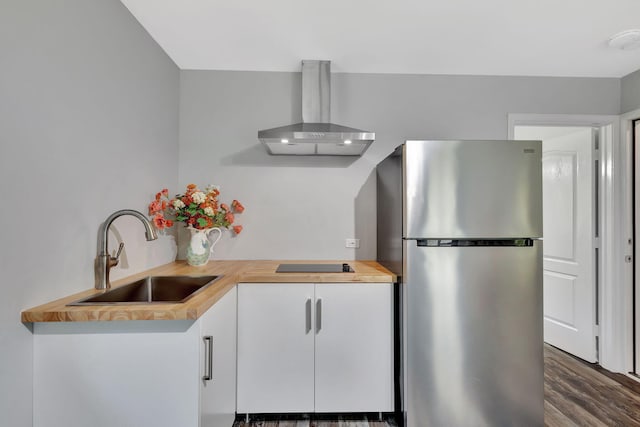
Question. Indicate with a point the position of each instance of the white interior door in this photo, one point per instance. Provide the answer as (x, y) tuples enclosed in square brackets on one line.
[(569, 237)]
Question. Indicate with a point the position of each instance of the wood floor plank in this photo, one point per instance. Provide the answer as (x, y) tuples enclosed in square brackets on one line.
[(585, 396), (575, 398), (581, 369), (554, 418)]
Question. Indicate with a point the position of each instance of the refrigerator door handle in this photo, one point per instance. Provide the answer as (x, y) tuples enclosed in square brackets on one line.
[(482, 243)]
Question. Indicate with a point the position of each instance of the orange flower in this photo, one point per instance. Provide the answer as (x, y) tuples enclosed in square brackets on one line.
[(164, 204), (229, 217), (169, 223), (224, 206), (159, 221), (155, 207), (237, 229), (192, 186), (237, 206)]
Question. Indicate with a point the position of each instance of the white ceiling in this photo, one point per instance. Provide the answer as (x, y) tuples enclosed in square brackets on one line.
[(481, 37)]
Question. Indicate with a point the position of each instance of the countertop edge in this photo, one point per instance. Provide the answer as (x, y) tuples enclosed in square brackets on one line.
[(233, 272)]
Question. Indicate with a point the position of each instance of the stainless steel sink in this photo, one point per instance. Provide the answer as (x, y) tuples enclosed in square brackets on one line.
[(152, 289)]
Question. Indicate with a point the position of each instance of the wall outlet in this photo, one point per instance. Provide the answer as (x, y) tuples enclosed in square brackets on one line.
[(352, 243)]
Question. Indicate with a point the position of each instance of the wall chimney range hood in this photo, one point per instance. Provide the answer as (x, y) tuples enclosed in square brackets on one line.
[(315, 135)]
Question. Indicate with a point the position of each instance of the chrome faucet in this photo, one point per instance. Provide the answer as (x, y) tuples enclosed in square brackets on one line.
[(104, 261)]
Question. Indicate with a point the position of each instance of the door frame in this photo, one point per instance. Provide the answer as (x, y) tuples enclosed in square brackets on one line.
[(615, 351), (626, 143)]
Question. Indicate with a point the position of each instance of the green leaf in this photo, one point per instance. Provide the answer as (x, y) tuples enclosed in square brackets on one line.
[(202, 222)]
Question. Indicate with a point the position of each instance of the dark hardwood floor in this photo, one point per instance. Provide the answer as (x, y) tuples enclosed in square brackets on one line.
[(576, 393)]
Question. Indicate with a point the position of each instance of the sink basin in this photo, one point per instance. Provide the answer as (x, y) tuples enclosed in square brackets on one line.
[(152, 289)]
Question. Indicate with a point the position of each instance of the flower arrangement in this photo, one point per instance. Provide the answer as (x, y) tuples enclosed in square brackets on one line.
[(196, 208)]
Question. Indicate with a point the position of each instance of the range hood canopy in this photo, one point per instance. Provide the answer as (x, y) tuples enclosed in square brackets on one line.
[(315, 135)]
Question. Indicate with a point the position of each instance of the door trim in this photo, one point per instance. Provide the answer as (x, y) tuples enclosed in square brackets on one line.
[(626, 141), (614, 303)]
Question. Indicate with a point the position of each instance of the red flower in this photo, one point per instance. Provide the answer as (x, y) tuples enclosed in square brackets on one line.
[(237, 229), (229, 217), (169, 223), (165, 192), (237, 206), (224, 206)]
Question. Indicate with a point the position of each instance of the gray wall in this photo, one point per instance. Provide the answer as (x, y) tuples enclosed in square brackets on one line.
[(304, 208), (88, 125), (630, 92)]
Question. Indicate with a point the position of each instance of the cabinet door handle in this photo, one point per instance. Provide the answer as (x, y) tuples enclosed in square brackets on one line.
[(208, 358), (308, 316), (318, 315)]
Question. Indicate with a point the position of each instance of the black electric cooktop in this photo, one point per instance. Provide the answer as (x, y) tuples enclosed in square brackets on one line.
[(314, 268)]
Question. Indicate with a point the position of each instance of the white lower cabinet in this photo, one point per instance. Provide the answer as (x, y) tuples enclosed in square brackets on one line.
[(218, 331), (136, 373), (275, 348), (305, 347)]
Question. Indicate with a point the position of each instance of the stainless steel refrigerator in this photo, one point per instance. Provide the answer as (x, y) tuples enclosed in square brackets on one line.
[(461, 223)]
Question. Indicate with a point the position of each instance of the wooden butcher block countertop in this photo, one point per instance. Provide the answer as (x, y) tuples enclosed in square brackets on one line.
[(233, 272)]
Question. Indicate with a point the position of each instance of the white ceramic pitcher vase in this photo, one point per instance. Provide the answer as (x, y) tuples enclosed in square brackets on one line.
[(201, 245)]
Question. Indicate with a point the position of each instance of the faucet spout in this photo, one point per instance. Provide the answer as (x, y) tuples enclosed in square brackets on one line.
[(104, 261)]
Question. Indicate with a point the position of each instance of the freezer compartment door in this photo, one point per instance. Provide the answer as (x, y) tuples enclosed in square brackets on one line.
[(472, 189), (473, 337)]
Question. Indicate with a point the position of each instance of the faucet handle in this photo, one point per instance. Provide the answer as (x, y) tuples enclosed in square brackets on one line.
[(120, 248)]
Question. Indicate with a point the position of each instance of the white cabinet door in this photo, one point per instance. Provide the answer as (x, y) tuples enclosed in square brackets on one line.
[(275, 347), (125, 374), (218, 363), (354, 347)]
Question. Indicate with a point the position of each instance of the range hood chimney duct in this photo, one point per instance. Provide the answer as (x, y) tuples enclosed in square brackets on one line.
[(316, 135)]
